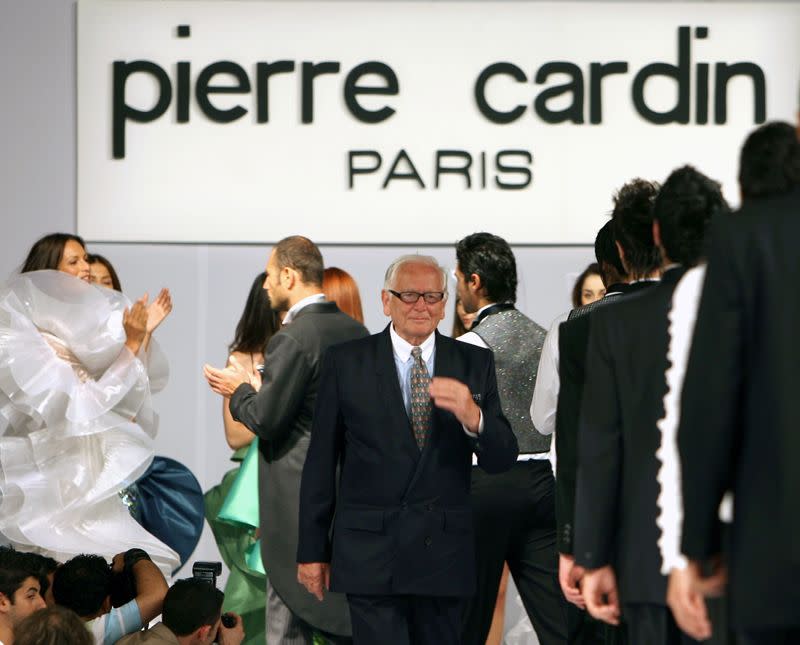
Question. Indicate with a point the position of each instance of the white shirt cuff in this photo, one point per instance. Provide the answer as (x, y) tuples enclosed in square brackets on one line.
[(480, 427)]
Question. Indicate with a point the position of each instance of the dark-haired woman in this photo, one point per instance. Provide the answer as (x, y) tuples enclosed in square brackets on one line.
[(63, 252), (588, 287), (462, 321), (232, 505), (76, 425), (102, 273)]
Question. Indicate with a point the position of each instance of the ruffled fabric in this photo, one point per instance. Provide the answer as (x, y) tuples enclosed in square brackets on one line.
[(76, 423), (155, 361), (232, 512), (682, 317), (168, 502), (241, 506)]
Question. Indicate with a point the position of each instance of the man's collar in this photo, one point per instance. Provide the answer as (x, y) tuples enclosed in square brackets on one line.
[(402, 348), (672, 273), (296, 307), (616, 288), (488, 310)]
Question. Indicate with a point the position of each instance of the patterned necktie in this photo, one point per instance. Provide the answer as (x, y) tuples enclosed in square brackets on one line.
[(420, 398)]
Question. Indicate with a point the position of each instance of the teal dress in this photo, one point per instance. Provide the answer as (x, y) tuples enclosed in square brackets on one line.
[(232, 513)]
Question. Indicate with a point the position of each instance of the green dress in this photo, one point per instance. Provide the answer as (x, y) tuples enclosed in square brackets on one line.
[(232, 513)]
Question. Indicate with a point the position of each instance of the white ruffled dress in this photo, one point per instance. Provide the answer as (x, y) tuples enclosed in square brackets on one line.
[(76, 424)]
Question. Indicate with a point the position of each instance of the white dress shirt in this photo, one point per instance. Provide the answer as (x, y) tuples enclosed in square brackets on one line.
[(295, 309), (545, 392), (682, 318), (471, 337), (403, 362)]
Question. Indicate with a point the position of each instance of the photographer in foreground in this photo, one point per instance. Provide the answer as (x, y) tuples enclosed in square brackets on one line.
[(85, 584), (192, 616)]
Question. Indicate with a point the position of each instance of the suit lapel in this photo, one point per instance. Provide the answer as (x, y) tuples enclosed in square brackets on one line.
[(444, 365), (391, 395)]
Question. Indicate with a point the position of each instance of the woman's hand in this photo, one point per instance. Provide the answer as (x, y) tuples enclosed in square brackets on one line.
[(159, 309), (134, 320)]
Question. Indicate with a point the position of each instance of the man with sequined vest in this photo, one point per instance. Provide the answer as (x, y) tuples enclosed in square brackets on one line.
[(514, 512)]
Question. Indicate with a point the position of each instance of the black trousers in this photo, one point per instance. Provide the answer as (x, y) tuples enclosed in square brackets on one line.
[(653, 625), (405, 620), (788, 636), (585, 630), (514, 516)]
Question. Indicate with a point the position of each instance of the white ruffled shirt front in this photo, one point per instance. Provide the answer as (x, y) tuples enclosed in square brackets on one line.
[(682, 318)]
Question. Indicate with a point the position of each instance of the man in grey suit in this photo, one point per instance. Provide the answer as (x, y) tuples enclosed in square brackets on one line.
[(279, 410)]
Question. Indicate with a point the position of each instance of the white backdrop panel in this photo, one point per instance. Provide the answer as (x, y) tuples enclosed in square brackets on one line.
[(183, 177)]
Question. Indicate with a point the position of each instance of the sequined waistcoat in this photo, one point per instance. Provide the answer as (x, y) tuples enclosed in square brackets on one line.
[(516, 342)]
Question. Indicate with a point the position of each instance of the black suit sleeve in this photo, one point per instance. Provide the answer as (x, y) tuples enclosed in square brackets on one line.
[(571, 356), (318, 483), (710, 403), (496, 446), (270, 411), (599, 452)]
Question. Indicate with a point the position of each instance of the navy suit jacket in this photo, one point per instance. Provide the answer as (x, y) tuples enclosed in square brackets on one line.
[(402, 522)]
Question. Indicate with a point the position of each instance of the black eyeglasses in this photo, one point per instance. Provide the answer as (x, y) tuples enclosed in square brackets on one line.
[(412, 297)]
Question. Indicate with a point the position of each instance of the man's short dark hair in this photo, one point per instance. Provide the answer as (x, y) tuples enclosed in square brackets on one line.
[(82, 584), (191, 604), (43, 566), (491, 258), (769, 164), (302, 255), (15, 569), (605, 251), (684, 207), (52, 626), (633, 226)]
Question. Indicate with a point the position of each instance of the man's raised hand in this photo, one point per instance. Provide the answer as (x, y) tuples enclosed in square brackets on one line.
[(454, 396)]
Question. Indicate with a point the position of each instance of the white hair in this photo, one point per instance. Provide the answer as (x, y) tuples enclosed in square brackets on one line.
[(413, 258)]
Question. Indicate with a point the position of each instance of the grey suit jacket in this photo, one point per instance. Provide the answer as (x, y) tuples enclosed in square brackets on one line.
[(280, 413), (157, 635)]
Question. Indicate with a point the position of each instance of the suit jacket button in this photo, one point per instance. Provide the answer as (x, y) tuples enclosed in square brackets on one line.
[(428, 541), (430, 507)]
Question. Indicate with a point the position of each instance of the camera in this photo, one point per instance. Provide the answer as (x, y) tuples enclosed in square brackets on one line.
[(122, 585), (207, 571)]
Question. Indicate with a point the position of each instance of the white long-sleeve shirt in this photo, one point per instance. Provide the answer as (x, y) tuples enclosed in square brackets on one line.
[(545, 392)]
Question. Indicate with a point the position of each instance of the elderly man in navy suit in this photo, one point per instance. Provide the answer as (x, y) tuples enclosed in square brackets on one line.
[(399, 416)]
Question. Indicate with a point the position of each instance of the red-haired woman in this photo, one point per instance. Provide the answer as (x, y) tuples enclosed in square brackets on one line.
[(340, 287)]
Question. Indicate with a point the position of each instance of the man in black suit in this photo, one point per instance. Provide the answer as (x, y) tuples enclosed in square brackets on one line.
[(279, 411), (402, 541), (616, 531), (740, 418), (631, 228)]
